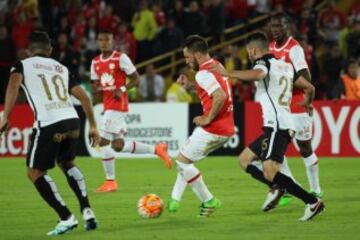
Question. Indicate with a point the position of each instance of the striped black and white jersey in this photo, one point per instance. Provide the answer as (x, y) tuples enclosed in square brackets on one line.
[(46, 83), (274, 92)]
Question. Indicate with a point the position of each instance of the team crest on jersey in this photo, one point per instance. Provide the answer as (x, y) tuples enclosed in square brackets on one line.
[(59, 69), (112, 66)]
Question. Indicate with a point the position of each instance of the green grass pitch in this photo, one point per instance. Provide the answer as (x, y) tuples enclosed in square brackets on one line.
[(24, 215)]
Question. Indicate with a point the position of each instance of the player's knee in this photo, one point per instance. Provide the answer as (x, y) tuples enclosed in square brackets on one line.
[(34, 174), (243, 162), (118, 145), (269, 174)]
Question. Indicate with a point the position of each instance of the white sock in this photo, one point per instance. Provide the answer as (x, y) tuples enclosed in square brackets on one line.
[(138, 147), (258, 164), (312, 171), (108, 162), (79, 178), (179, 187), (193, 177), (286, 170)]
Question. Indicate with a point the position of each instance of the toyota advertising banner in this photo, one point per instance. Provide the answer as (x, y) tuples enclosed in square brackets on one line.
[(336, 128)]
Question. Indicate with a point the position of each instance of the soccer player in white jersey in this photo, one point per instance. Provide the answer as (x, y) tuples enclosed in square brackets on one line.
[(48, 85), (215, 125), (273, 92)]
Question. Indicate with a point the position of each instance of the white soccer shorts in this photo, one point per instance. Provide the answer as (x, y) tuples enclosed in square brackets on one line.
[(201, 143), (113, 125), (303, 126)]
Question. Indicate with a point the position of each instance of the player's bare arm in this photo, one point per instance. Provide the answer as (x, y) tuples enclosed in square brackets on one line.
[(309, 91), (245, 75), (305, 73), (218, 100), (86, 104), (12, 92), (134, 80)]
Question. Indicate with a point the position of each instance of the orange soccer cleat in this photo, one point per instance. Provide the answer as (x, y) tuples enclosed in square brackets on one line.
[(107, 186), (161, 152)]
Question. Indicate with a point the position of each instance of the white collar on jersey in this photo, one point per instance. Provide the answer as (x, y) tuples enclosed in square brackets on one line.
[(107, 59), (206, 62), (283, 46)]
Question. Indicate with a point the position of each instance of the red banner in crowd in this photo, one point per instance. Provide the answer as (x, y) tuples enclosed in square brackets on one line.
[(336, 128), (17, 141)]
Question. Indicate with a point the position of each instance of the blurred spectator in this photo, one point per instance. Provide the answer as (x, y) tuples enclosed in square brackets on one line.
[(92, 9), (125, 41), (178, 14), (231, 62), (78, 30), (7, 59), (307, 25), (262, 7), (351, 81), (84, 55), (91, 34), (30, 8), (145, 29), (63, 27), (176, 92), (64, 54), (194, 22), (151, 85), (21, 30), (216, 19), (331, 72), (159, 14), (238, 11), (108, 21), (169, 38), (330, 22), (353, 41)]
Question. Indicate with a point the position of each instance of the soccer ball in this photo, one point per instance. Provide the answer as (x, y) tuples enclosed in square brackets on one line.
[(150, 206)]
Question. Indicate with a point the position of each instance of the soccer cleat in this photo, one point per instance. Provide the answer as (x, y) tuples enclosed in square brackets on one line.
[(317, 194), (272, 198), (208, 208), (311, 210), (107, 186), (162, 153), (285, 200), (173, 205), (89, 218), (64, 226)]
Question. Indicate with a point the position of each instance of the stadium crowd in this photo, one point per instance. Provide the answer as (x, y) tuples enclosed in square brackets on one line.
[(144, 29)]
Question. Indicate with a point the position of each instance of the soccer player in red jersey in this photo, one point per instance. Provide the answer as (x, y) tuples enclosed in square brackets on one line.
[(215, 125), (289, 50), (109, 71)]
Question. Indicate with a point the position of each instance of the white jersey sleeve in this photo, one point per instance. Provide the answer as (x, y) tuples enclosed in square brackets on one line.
[(93, 74), (297, 58), (262, 65), (126, 64), (207, 81)]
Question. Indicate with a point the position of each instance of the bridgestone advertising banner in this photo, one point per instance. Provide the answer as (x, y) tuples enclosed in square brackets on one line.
[(151, 123)]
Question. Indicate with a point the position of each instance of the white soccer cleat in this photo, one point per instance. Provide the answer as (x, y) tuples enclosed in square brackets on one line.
[(90, 219), (272, 199), (64, 226), (311, 210)]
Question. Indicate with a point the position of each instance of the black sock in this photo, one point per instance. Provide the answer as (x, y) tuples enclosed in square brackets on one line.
[(77, 183), (48, 191), (287, 183), (258, 175)]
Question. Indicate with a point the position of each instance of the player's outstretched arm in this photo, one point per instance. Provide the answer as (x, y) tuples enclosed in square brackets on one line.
[(86, 104), (12, 93), (245, 75), (309, 91)]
